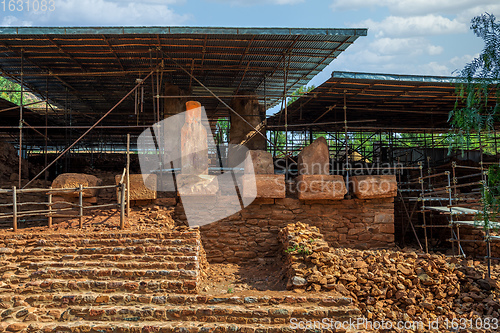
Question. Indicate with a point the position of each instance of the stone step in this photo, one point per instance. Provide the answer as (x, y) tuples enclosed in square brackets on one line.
[(103, 242), (61, 300), (173, 327), (165, 310), (27, 259), (206, 313), (106, 286), (185, 264), (50, 237), (170, 250), (95, 273)]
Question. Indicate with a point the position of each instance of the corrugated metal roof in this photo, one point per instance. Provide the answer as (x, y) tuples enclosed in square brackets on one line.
[(405, 103), (69, 62), (177, 30)]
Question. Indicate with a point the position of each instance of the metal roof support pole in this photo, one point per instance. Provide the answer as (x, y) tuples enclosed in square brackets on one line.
[(348, 196), (90, 129), (265, 93), (135, 102), (128, 174), (152, 83), (422, 196), (21, 120), (285, 82), (46, 129), (486, 206), (265, 107), (66, 139), (157, 94)]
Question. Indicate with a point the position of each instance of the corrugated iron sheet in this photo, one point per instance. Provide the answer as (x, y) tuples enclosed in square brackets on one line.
[(233, 59)]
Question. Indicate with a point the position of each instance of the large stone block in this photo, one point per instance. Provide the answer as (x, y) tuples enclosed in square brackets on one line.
[(376, 186), (315, 158), (314, 187), (139, 190), (73, 180), (262, 162), (265, 186)]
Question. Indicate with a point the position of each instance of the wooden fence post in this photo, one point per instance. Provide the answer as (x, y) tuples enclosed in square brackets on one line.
[(50, 208), (122, 206), (80, 203), (14, 208)]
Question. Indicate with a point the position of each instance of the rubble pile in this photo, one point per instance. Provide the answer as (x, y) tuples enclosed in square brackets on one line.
[(388, 284)]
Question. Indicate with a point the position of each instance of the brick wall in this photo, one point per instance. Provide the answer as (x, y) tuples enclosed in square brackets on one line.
[(252, 233)]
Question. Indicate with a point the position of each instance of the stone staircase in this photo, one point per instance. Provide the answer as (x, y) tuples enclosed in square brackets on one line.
[(134, 282)]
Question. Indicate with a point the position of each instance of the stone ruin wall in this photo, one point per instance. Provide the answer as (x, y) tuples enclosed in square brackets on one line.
[(367, 221), (253, 232)]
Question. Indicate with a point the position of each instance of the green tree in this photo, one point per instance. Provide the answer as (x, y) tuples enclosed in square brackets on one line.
[(478, 90), (11, 91), (299, 92), (477, 80)]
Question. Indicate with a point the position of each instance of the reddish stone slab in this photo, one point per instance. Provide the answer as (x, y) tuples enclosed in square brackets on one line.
[(312, 187), (315, 158), (266, 186), (374, 187), (262, 162)]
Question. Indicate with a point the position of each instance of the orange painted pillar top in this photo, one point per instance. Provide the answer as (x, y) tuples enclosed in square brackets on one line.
[(193, 111), (192, 105)]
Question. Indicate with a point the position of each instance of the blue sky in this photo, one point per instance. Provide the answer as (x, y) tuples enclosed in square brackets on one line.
[(428, 37)]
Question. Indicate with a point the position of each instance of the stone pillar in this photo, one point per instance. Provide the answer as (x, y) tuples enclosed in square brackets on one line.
[(250, 109), (194, 145), (314, 180), (170, 150), (173, 106), (194, 178)]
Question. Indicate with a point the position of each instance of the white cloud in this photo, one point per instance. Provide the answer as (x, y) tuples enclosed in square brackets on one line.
[(370, 62), (404, 46), (415, 26), (414, 55), (458, 63), (109, 12), (434, 68), (259, 2), (416, 7), (12, 21), (469, 13)]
